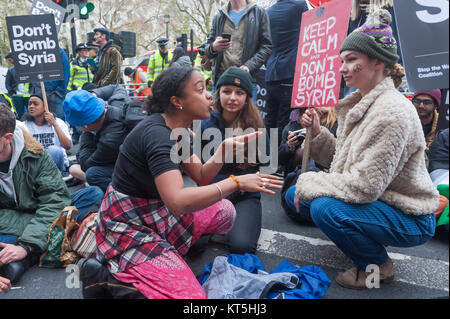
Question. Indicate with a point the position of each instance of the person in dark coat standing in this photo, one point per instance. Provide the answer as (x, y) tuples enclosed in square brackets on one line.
[(285, 19)]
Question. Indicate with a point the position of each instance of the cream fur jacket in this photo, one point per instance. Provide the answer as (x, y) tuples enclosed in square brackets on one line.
[(378, 155)]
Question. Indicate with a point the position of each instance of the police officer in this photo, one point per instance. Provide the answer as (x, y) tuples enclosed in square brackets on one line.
[(80, 73), (159, 61)]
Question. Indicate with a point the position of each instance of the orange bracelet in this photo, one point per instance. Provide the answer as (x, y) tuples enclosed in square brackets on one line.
[(236, 180)]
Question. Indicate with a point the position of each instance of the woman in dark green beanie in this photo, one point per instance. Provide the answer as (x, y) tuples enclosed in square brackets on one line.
[(234, 109), (377, 192)]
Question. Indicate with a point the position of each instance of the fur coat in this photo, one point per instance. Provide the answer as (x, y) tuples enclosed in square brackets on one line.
[(378, 155)]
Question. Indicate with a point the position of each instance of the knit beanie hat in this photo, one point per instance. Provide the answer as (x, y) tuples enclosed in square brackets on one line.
[(434, 94), (374, 38), (82, 108), (237, 77)]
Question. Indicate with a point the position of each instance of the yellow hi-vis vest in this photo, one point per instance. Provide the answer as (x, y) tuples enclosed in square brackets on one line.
[(156, 64), (10, 102), (78, 76)]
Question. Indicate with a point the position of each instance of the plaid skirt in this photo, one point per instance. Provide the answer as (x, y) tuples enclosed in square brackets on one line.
[(131, 230)]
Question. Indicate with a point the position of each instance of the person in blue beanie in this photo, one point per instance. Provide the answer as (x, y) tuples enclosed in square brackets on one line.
[(103, 132)]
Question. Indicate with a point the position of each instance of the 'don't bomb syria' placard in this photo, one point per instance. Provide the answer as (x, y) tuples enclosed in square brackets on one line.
[(35, 48), (317, 78)]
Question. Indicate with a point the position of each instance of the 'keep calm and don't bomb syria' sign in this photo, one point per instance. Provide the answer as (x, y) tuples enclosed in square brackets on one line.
[(317, 78), (35, 48)]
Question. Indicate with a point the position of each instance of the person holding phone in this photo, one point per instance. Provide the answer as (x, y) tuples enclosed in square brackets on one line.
[(231, 41)]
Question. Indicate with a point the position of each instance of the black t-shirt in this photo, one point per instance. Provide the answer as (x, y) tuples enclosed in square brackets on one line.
[(146, 153)]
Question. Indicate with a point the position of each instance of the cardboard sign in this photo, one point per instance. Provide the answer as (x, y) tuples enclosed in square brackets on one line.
[(317, 78), (49, 7), (423, 31), (35, 48)]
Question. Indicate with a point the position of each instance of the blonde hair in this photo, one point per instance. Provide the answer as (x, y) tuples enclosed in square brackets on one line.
[(396, 72), (327, 119), (375, 4)]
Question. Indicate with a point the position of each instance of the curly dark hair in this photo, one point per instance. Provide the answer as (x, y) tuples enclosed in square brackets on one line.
[(171, 82)]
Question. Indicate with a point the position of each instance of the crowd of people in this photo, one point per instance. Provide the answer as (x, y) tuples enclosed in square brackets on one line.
[(376, 158)]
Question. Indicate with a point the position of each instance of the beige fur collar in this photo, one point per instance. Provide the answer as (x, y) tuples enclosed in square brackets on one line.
[(31, 144)]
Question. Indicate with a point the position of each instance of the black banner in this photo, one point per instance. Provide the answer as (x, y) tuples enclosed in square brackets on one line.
[(443, 112), (423, 31), (35, 48), (261, 98)]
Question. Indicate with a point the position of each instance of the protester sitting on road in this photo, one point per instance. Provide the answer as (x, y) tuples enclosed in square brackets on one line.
[(438, 158), (234, 109), (52, 132), (103, 132), (427, 105), (378, 192), (32, 195), (5, 285), (290, 152), (180, 58), (148, 220)]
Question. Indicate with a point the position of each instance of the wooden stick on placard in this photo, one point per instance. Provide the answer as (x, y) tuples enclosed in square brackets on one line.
[(44, 96), (306, 149)]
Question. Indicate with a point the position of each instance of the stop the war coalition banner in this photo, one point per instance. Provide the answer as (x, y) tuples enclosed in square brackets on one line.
[(423, 32), (317, 78), (35, 48)]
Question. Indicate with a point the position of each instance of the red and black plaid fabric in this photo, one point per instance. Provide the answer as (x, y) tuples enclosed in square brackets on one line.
[(133, 230)]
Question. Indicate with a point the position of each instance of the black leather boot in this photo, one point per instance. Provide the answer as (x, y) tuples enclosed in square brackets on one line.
[(98, 283), (15, 270)]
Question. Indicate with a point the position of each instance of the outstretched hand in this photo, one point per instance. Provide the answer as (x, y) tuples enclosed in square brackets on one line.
[(258, 182)]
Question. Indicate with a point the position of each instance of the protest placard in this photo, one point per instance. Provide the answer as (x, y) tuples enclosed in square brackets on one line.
[(35, 48), (49, 7), (317, 78), (423, 31)]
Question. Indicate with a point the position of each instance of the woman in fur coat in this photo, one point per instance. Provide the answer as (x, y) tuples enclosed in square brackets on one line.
[(378, 192)]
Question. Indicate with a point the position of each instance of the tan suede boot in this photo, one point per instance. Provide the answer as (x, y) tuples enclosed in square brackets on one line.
[(356, 279)]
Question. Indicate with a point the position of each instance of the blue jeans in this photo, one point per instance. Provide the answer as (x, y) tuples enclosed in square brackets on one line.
[(362, 231), (57, 104), (8, 239), (86, 200), (58, 156), (100, 176)]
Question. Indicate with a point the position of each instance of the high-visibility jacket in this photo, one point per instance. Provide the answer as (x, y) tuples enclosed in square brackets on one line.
[(9, 103), (137, 84), (206, 74), (156, 64), (79, 75), (27, 90)]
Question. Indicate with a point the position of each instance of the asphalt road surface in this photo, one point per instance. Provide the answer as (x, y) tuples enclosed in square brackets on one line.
[(420, 272)]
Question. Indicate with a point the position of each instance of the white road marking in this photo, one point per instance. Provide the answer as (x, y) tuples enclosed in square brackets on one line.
[(417, 271)]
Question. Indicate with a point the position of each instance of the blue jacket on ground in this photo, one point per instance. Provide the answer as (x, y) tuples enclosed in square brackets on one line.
[(285, 19), (314, 281)]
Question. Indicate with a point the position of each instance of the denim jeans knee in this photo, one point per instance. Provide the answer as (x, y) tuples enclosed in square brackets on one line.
[(57, 155)]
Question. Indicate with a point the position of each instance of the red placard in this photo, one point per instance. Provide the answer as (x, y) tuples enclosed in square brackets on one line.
[(317, 78)]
